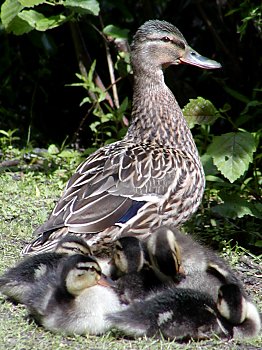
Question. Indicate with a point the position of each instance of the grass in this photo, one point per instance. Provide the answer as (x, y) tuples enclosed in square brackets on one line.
[(27, 197)]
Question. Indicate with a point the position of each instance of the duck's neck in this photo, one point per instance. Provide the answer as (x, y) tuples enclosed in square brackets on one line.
[(156, 115)]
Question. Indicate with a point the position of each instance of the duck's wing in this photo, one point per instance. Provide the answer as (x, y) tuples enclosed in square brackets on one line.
[(119, 186), (112, 186)]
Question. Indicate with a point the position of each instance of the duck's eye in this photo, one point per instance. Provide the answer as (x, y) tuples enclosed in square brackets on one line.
[(75, 249), (166, 39)]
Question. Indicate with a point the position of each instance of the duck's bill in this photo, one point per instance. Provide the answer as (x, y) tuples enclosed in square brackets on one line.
[(106, 281), (194, 58)]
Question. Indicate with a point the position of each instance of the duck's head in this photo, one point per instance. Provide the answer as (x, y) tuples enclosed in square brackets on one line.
[(71, 244), (128, 255), (160, 44), (231, 303), (165, 255), (80, 272)]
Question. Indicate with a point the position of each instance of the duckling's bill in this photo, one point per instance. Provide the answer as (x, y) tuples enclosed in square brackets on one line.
[(105, 281)]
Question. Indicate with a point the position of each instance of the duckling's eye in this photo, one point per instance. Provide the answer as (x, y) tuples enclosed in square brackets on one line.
[(92, 269), (166, 39)]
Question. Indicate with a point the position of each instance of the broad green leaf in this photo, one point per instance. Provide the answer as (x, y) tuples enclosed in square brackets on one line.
[(18, 26), (200, 111), (232, 153), (39, 21), (235, 206), (9, 10), (116, 32), (52, 149), (31, 3), (83, 6)]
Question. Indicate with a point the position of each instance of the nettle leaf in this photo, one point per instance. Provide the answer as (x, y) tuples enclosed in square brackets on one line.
[(10, 20), (9, 11), (116, 32), (200, 111), (235, 206), (19, 26), (232, 153), (31, 3), (83, 6), (39, 22)]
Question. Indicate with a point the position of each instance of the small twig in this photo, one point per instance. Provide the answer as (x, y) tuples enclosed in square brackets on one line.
[(110, 67)]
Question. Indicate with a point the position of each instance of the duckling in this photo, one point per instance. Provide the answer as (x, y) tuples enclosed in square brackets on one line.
[(134, 278), (172, 313), (207, 272), (17, 281), (164, 254), (201, 268), (238, 311), (128, 256), (73, 299)]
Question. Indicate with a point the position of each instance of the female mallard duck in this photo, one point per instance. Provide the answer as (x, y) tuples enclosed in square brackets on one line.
[(154, 175), (172, 313), (19, 280), (74, 299)]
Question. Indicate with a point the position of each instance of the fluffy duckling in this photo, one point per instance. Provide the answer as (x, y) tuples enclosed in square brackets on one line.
[(74, 299), (128, 256), (134, 278), (19, 280), (201, 267), (238, 311), (164, 254), (205, 271), (172, 313)]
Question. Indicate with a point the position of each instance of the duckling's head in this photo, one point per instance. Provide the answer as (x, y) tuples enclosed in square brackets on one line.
[(232, 304), (80, 272), (164, 254), (72, 244), (128, 255), (160, 44)]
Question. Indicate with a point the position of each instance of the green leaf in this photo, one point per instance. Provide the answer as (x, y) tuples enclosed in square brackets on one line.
[(200, 111), (9, 11), (235, 206), (39, 21), (31, 3), (116, 32), (83, 6), (52, 149), (19, 26), (232, 153)]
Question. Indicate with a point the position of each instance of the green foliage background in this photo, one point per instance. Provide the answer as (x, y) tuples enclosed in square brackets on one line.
[(59, 58)]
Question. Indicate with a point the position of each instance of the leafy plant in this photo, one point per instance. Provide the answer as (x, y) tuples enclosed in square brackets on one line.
[(110, 121), (18, 17), (7, 138)]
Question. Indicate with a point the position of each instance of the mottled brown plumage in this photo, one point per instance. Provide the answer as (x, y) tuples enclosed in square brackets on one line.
[(154, 175)]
